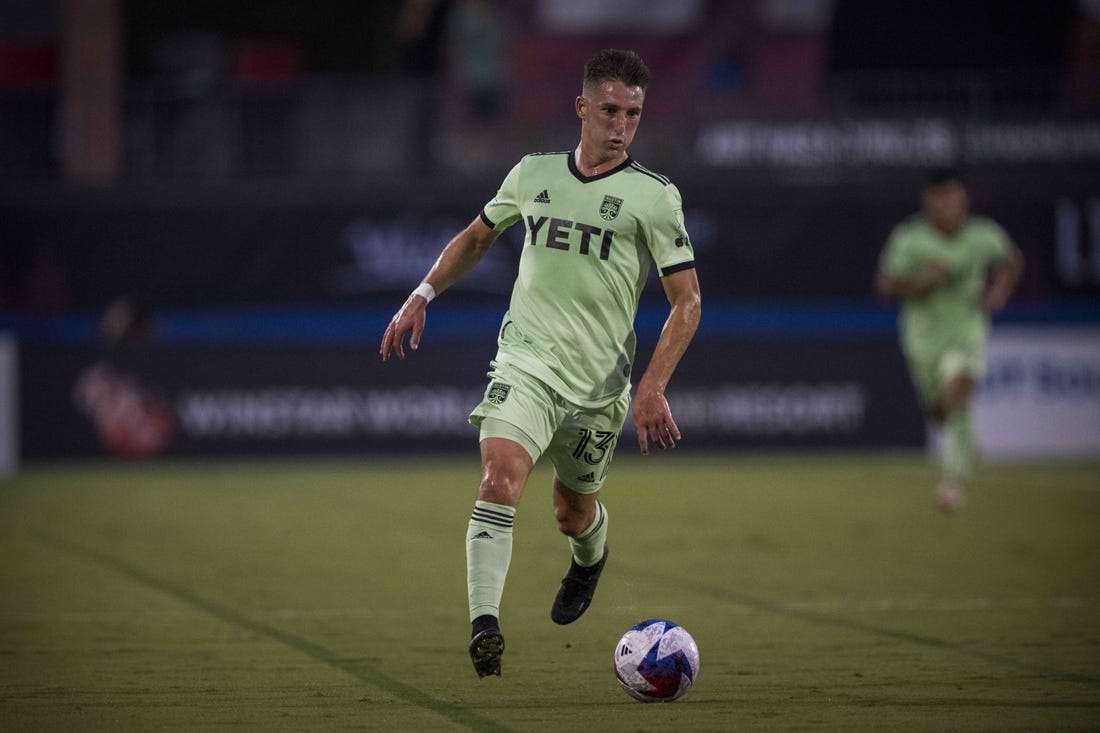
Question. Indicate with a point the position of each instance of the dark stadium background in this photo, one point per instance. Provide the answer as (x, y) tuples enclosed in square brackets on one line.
[(219, 508), (268, 180)]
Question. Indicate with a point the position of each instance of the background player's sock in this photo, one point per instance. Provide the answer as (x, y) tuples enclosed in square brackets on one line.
[(488, 553), (588, 545), (958, 446)]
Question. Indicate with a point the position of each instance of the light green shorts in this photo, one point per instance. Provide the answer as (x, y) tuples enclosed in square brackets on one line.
[(931, 370), (578, 441)]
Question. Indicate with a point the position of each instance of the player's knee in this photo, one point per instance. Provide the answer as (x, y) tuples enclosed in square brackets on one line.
[(960, 389), (500, 488)]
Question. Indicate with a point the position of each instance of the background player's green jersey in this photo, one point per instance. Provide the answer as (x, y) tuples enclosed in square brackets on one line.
[(953, 311), (590, 244)]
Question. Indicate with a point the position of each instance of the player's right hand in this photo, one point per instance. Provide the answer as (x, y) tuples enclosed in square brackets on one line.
[(653, 419), (934, 274), (410, 319)]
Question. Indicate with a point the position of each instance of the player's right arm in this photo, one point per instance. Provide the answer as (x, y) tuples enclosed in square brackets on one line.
[(652, 416), (898, 287), (901, 273), (459, 257), (1003, 280)]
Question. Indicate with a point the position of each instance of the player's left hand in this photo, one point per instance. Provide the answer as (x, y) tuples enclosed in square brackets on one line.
[(994, 299), (410, 318), (653, 419)]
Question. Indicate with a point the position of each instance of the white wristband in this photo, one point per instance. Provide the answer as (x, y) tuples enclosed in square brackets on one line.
[(426, 291)]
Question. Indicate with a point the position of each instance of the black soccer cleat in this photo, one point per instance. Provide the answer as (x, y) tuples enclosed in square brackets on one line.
[(577, 589), (486, 649)]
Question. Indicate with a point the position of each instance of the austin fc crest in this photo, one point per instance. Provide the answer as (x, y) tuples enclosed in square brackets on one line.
[(498, 392), (609, 209)]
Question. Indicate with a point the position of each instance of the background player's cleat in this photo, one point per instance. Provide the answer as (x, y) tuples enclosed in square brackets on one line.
[(950, 497), (486, 649), (576, 591)]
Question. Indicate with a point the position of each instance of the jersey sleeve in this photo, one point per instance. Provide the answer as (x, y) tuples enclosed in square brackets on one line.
[(665, 234), (897, 257), (1000, 244), (503, 211)]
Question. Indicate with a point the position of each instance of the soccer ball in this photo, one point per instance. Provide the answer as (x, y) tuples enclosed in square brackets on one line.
[(656, 661)]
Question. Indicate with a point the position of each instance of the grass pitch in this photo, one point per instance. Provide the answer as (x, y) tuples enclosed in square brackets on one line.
[(824, 591)]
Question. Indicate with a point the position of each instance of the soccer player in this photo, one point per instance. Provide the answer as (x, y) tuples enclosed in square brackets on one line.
[(950, 271), (596, 222)]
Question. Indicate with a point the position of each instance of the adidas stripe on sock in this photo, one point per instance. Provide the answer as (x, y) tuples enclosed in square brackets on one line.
[(495, 515), (488, 554)]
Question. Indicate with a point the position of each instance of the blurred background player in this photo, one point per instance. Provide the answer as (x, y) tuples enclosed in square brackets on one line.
[(596, 222), (950, 270)]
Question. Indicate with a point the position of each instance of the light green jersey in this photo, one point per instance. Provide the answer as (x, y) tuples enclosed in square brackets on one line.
[(953, 311), (590, 244)]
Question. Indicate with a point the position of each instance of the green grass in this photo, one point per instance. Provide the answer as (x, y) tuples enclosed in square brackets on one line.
[(824, 591)]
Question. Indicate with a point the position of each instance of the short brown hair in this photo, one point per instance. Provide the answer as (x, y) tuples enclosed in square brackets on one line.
[(614, 65), (940, 176)]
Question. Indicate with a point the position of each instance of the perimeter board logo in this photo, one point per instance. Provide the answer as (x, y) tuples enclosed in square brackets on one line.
[(498, 392), (609, 209)]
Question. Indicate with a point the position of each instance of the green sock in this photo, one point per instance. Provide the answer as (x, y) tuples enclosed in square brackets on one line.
[(588, 545), (488, 553), (958, 447)]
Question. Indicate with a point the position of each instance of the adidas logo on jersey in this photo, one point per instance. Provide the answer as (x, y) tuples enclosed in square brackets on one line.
[(543, 198), (588, 477)]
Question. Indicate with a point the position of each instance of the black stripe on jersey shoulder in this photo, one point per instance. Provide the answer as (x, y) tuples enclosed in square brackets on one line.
[(656, 176), (689, 265), (558, 152), (488, 222)]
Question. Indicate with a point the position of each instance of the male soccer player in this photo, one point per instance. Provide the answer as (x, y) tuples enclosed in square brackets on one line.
[(950, 270), (596, 222)]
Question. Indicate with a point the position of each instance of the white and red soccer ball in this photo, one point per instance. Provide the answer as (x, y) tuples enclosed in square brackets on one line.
[(656, 661)]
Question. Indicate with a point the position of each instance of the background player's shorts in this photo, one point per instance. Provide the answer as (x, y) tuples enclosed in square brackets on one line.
[(930, 370), (579, 441)]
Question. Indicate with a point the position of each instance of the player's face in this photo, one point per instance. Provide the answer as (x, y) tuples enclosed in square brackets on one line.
[(946, 205), (610, 113)]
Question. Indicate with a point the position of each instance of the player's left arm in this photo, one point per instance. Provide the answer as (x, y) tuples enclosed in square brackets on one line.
[(652, 416), (465, 250), (1002, 281)]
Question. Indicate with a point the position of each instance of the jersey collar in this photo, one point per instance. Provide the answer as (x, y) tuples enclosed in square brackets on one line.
[(588, 179)]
